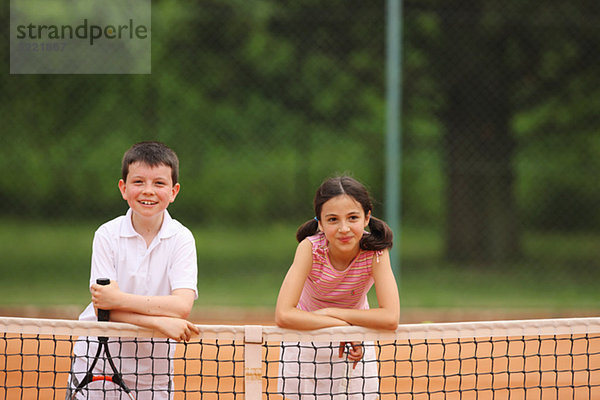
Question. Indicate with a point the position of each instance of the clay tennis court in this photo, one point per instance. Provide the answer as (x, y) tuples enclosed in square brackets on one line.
[(561, 367)]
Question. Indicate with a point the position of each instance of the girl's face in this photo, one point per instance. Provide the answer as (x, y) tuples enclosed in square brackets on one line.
[(343, 221), (148, 190)]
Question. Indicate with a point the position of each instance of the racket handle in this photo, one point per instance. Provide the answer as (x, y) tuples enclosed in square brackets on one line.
[(103, 315)]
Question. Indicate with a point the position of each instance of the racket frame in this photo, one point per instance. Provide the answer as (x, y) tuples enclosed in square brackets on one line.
[(116, 377)]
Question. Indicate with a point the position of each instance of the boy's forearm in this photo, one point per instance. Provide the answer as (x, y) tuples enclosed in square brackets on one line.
[(174, 328), (146, 321), (177, 305), (163, 306)]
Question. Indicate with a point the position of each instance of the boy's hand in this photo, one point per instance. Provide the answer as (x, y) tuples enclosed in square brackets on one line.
[(355, 351), (106, 297), (176, 328)]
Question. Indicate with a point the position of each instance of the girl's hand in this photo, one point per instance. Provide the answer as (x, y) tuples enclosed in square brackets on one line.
[(106, 297), (176, 328), (355, 351)]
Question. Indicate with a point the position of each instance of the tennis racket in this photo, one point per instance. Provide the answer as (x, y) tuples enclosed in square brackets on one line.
[(116, 377)]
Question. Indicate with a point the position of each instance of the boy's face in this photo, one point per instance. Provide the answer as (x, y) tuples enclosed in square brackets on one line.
[(148, 190)]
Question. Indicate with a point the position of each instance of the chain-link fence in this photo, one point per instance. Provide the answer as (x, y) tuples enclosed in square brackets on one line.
[(262, 100)]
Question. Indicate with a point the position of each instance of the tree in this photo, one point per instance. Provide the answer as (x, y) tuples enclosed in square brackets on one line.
[(493, 61)]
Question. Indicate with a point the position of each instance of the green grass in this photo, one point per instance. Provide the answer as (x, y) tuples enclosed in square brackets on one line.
[(47, 264)]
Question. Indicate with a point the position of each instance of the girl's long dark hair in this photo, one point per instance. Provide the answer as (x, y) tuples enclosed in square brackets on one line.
[(380, 237)]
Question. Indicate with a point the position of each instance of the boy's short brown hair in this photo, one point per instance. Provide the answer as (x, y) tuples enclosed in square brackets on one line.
[(152, 154)]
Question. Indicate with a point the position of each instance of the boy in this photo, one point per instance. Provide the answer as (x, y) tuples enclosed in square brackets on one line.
[(150, 260)]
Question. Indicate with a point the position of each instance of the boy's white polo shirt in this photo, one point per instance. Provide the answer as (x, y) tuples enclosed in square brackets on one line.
[(169, 263), (120, 253)]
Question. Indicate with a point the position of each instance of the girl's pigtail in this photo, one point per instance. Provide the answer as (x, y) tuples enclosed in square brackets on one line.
[(381, 236), (307, 229)]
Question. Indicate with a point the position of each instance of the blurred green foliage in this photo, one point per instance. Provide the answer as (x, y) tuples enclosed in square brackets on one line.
[(264, 99)]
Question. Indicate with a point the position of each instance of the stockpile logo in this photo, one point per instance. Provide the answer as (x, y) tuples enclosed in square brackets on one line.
[(80, 37)]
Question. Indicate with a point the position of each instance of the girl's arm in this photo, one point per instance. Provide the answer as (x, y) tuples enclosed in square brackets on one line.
[(286, 313), (387, 315), (177, 305)]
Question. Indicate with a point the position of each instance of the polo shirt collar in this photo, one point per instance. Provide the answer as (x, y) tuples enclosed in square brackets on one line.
[(167, 229)]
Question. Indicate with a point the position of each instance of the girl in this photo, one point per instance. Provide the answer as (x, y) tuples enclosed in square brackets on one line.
[(335, 265)]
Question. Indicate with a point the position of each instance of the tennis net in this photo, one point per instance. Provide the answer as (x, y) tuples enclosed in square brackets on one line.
[(532, 359)]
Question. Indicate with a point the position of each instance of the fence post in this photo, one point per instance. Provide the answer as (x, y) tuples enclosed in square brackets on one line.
[(393, 136)]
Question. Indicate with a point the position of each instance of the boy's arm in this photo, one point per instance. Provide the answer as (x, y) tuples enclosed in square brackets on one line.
[(175, 328), (165, 314), (109, 297)]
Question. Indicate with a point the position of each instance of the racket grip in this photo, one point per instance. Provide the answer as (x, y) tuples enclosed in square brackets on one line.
[(103, 315)]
